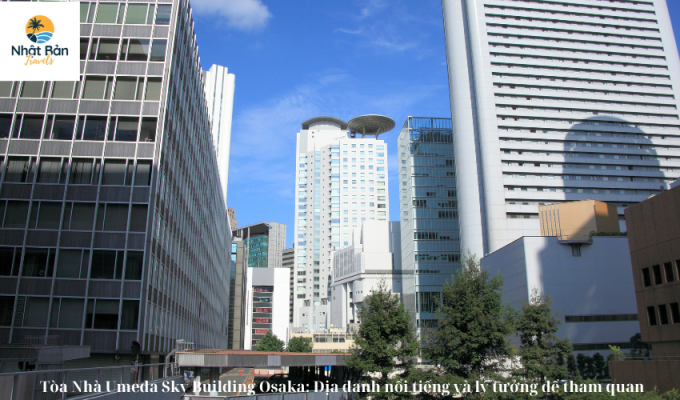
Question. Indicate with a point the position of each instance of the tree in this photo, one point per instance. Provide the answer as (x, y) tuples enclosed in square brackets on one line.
[(571, 365), (581, 362), (298, 344), (385, 339), (542, 353), (270, 343), (599, 363), (639, 349), (470, 340)]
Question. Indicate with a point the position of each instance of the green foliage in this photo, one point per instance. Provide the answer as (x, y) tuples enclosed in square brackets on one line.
[(639, 349), (572, 367), (599, 364), (298, 344), (385, 340), (471, 339), (616, 354), (270, 343), (542, 353)]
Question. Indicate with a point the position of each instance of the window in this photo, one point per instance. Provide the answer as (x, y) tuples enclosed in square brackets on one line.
[(38, 262), (651, 315), (78, 216), (10, 261), (16, 214), (109, 13), (35, 313), (19, 169), (153, 89), (84, 44), (138, 217), (163, 14), (83, 170), (646, 278), (28, 126), (114, 172), (135, 50), (133, 265), (73, 263), (104, 49), (139, 14), (668, 269), (5, 125), (102, 314), (116, 217), (34, 89), (67, 313), (87, 11), (158, 49), (94, 128), (6, 310), (143, 174), (60, 127), (129, 314), (123, 129), (663, 314), (128, 88), (106, 264), (52, 170), (97, 87), (675, 313), (65, 90), (656, 269), (148, 131), (45, 215)]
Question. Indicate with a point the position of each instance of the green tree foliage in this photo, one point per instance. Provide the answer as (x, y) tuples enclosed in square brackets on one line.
[(384, 342), (572, 367), (270, 343), (471, 339), (599, 364), (541, 352), (616, 354), (639, 348), (582, 364), (298, 344)]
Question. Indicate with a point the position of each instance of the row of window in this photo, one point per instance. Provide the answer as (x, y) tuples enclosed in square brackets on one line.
[(582, 24), (88, 127), (112, 217), (123, 49), (578, 132), (114, 13), (625, 114), (573, 81), (641, 192), (84, 171), (589, 7), (543, 39), (522, 98), (581, 71), (545, 31), (126, 88), (600, 318), (71, 263), (576, 15), (663, 317), (589, 178), (583, 122), (574, 154), (661, 275), (68, 312)]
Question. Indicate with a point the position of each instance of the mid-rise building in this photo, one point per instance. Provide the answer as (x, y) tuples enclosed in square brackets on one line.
[(558, 101), (263, 244), (654, 239), (288, 261), (340, 182), (358, 269), (113, 227), (430, 247), (219, 92), (233, 222), (266, 305)]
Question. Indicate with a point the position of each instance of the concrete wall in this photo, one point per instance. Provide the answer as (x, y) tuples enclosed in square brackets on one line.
[(663, 375)]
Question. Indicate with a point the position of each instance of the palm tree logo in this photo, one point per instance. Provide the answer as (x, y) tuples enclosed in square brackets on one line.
[(39, 29)]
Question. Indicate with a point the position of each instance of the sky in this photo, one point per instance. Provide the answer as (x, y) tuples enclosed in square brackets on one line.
[(295, 60)]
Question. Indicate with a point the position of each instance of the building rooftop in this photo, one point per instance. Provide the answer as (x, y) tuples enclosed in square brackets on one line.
[(370, 124), (306, 124)]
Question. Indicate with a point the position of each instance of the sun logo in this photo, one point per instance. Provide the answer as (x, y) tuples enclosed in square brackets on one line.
[(39, 29)]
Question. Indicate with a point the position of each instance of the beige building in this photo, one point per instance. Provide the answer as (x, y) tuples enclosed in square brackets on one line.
[(654, 239), (335, 340), (576, 219)]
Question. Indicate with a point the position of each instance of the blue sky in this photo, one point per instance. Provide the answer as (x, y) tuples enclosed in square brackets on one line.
[(295, 60)]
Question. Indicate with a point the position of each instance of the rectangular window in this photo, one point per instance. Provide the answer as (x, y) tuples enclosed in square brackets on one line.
[(651, 315), (106, 264), (32, 89), (35, 313), (73, 263), (39, 262), (646, 277), (97, 87), (126, 129), (79, 216), (153, 89), (114, 172), (49, 214), (10, 260), (81, 171), (51, 170), (116, 217), (158, 49), (126, 88), (163, 14), (108, 13), (84, 45), (16, 214), (675, 313), (133, 265), (65, 90), (663, 314), (62, 128), (135, 50), (6, 310), (67, 313), (668, 269), (656, 269), (107, 49), (31, 126), (143, 174), (5, 125), (94, 128), (148, 131), (137, 13), (138, 216), (19, 169), (129, 314), (106, 314)]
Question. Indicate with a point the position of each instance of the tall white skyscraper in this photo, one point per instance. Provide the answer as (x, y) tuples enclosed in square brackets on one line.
[(555, 101), (340, 181), (219, 93)]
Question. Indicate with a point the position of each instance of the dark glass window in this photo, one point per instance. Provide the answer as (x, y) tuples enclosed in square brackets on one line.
[(143, 175), (114, 172), (163, 14), (129, 314), (138, 218), (39, 262), (95, 128), (158, 50), (6, 310), (133, 265), (5, 125), (651, 315), (31, 126), (646, 278), (148, 132), (103, 264), (668, 269), (63, 127), (126, 129), (656, 269)]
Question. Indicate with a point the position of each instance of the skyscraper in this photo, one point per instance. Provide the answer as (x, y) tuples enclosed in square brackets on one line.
[(429, 214), (219, 93), (340, 181), (112, 225), (558, 101)]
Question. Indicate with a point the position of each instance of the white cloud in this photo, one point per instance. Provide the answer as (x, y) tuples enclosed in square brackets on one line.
[(240, 14)]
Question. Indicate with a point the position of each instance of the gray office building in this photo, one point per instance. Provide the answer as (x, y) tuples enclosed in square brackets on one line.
[(430, 247), (112, 224)]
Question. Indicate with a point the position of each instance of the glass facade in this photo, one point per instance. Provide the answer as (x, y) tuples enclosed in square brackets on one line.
[(258, 248), (429, 214)]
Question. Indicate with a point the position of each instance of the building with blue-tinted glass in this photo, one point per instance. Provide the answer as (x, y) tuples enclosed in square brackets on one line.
[(429, 214)]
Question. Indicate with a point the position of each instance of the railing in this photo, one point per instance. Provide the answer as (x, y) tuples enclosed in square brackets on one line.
[(79, 383)]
